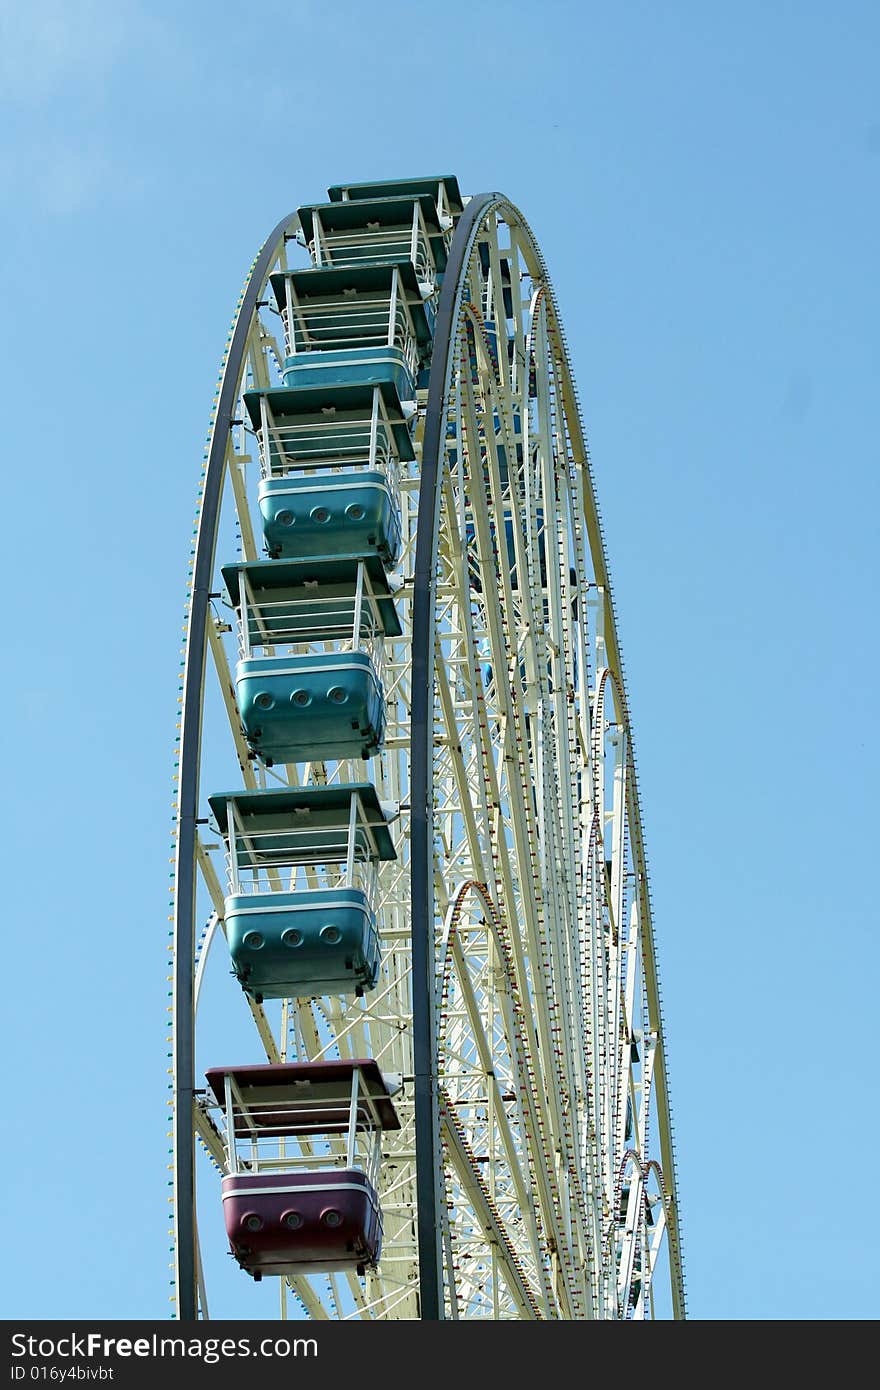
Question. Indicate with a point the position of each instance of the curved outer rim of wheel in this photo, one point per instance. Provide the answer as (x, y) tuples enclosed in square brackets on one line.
[(429, 1185), (429, 1178), (186, 1273)]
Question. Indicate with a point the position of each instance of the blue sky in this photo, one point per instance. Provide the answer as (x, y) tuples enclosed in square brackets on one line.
[(704, 183)]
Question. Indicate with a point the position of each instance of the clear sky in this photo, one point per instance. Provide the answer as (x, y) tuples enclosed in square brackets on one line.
[(704, 182)]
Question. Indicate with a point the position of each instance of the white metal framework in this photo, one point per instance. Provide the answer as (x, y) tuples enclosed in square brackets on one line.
[(552, 1149)]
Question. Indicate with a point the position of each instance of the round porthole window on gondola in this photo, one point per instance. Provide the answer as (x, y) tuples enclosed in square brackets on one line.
[(301, 698), (331, 1217), (292, 1220), (284, 517), (264, 700), (355, 511), (292, 937), (252, 1222), (320, 514), (253, 940), (330, 934), (337, 695)]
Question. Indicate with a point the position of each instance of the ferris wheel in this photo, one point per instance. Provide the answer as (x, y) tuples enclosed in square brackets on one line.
[(406, 817)]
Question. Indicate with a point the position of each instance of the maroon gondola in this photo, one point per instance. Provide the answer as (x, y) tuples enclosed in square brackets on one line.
[(292, 1207)]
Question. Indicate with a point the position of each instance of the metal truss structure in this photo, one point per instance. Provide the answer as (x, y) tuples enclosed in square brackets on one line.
[(533, 1174)]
